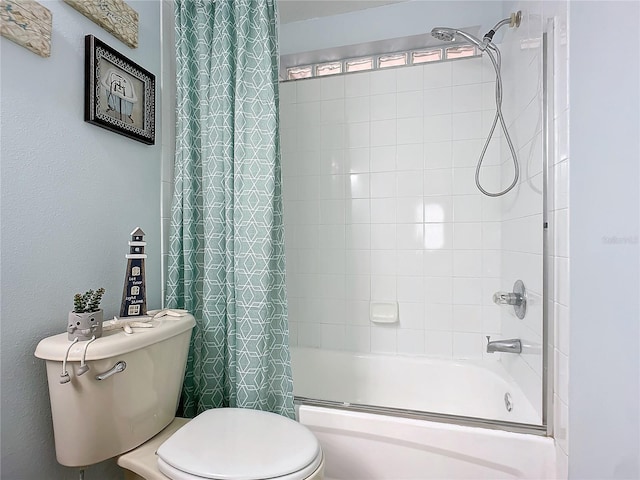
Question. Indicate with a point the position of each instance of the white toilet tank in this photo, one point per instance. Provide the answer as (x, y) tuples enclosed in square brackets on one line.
[(98, 419)]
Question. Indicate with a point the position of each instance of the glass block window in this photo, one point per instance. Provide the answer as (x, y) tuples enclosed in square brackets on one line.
[(393, 60), (296, 73), (460, 52), (386, 60), (359, 65), (332, 68), (423, 56)]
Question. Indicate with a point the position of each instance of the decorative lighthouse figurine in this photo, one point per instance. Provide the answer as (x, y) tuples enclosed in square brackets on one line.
[(134, 294)]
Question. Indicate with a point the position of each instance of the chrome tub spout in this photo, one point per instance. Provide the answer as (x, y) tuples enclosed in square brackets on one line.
[(513, 345)]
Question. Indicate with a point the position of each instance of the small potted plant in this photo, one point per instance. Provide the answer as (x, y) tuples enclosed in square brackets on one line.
[(85, 321)]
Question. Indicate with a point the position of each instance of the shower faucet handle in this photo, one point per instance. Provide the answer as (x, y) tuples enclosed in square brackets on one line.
[(517, 298), (507, 298)]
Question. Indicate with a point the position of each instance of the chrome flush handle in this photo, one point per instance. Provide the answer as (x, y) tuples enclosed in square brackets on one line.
[(117, 368)]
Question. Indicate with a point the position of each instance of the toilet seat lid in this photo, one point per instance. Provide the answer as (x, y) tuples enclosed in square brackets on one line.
[(240, 444)]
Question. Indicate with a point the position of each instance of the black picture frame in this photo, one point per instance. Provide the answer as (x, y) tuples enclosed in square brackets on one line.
[(120, 95)]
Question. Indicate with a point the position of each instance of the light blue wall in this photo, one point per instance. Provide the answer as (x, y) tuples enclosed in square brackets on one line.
[(604, 388), (390, 21), (70, 195)]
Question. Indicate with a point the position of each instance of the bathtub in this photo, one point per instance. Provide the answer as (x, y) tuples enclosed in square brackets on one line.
[(463, 388), (365, 446), (359, 445)]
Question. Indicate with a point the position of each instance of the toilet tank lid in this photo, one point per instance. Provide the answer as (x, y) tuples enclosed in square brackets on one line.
[(114, 342)]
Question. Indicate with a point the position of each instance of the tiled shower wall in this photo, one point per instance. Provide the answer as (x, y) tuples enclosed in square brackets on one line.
[(381, 206)]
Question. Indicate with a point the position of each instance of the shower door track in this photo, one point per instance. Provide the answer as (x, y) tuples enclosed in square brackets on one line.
[(427, 416)]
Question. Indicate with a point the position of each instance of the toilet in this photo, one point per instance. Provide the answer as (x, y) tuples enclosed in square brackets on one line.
[(124, 407)]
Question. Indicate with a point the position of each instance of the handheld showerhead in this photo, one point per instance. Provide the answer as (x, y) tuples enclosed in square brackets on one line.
[(444, 34)]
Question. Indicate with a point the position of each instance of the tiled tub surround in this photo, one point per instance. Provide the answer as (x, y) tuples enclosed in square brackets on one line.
[(380, 205)]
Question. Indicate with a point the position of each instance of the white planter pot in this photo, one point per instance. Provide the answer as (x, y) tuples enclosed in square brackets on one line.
[(83, 326)]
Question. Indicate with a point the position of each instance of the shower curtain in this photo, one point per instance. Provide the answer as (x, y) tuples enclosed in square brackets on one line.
[(226, 253)]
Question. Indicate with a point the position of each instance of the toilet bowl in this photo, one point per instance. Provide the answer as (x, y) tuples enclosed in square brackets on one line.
[(123, 406), (228, 444)]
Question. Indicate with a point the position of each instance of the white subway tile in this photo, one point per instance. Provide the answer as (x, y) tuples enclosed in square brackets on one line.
[(562, 280), (561, 319), (409, 78), (467, 345), (438, 290), (383, 288), (383, 339), (467, 208), (438, 128), (438, 263), (383, 262), (357, 135), (356, 160), (465, 71), (410, 104), (331, 187), (467, 318), (332, 237), (437, 155), (308, 91), (357, 311), (438, 316), (466, 98), (358, 236), (561, 232), (411, 342), (332, 87), (358, 210), (357, 338), (438, 343), (410, 157), (383, 132), (410, 262), (358, 287), (438, 236), (467, 126), (358, 262), (437, 75), (467, 291), (383, 210), (383, 107), (332, 161), (410, 131), (332, 137), (332, 211), (409, 288), (357, 84), (358, 186), (287, 92), (437, 101), (331, 111), (308, 113), (357, 110), (561, 424), (467, 236), (383, 236), (491, 262), (438, 182), (383, 159), (438, 209), (491, 235), (309, 335), (409, 210), (410, 236), (383, 81), (332, 337), (383, 185), (467, 263)]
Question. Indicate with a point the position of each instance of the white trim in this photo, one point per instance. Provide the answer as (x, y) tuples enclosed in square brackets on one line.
[(135, 255), (137, 244)]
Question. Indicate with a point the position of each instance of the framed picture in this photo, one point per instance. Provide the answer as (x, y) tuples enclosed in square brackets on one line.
[(120, 95)]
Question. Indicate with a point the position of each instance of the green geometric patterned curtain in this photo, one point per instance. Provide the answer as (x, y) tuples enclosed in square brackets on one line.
[(226, 256)]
